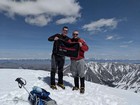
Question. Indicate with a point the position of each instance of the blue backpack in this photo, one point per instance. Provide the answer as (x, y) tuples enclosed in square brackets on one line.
[(39, 96)]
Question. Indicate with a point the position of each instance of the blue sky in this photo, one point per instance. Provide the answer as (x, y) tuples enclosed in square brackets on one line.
[(111, 28)]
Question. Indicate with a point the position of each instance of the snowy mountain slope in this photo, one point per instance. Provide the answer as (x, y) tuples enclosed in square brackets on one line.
[(94, 95), (120, 75), (112, 71), (131, 81)]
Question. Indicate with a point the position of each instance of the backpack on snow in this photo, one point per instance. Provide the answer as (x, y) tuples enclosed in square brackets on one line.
[(39, 96)]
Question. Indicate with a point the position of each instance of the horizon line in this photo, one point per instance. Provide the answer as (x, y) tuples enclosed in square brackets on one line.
[(66, 59)]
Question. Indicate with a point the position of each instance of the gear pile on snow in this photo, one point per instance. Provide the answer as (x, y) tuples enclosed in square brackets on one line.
[(38, 96)]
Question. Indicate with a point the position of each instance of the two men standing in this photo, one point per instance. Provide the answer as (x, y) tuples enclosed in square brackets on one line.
[(77, 66)]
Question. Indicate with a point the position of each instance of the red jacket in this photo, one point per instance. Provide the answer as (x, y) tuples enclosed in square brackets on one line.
[(82, 50)]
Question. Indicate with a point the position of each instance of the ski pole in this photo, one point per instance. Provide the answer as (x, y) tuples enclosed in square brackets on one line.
[(22, 83)]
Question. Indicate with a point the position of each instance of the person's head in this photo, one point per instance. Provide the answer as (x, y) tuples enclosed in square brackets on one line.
[(65, 30), (75, 34)]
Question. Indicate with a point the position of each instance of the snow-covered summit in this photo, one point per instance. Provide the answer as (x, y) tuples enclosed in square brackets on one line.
[(94, 95)]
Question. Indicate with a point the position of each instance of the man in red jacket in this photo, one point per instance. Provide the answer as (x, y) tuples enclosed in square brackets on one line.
[(78, 65)]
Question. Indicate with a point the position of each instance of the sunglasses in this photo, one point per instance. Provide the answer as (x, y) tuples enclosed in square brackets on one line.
[(75, 34), (65, 30)]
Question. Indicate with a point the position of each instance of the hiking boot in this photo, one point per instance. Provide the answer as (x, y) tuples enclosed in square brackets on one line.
[(82, 90), (75, 88), (53, 87), (61, 85)]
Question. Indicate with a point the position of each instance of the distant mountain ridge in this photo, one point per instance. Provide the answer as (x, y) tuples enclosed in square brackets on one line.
[(35, 64), (115, 60)]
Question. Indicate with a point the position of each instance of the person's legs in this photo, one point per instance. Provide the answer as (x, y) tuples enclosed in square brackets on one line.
[(76, 83), (82, 71), (52, 77), (73, 69), (53, 72), (61, 61), (81, 66), (82, 86), (82, 82)]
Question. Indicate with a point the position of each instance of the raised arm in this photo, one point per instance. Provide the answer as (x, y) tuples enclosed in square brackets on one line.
[(52, 38)]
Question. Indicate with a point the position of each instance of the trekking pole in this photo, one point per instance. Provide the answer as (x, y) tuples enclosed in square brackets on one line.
[(22, 83)]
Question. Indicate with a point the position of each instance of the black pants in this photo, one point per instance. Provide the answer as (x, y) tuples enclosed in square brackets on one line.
[(57, 63)]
